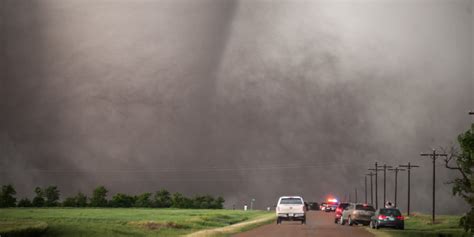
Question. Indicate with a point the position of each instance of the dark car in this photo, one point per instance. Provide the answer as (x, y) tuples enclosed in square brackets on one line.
[(388, 217), (339, 210), (331, 206), (313, 206)]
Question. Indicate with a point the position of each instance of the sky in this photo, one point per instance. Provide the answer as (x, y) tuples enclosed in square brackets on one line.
[(239, 98)]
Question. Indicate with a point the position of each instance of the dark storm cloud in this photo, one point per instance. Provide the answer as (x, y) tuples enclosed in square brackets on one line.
[(237, 98)]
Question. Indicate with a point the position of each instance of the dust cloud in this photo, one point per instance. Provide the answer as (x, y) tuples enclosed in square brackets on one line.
[(245, 99)]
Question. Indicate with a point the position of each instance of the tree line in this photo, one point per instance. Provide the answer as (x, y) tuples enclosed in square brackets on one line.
[(50, 197)]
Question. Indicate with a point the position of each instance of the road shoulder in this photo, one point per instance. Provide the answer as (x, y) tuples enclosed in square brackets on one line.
[(236, 228)]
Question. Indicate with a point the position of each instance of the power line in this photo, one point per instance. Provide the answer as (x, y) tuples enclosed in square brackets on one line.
[(196, 169)]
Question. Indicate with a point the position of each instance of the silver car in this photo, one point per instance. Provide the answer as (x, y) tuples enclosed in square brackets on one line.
[(357, 213)]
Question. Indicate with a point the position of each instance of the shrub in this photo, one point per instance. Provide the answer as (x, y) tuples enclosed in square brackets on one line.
[(122, 200), (70, 202), (143, 200), (81, 200), (180, 201), (162, 199), (25, 202)]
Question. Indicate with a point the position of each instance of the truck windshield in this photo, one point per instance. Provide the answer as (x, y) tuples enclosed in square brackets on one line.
[(291, 201)]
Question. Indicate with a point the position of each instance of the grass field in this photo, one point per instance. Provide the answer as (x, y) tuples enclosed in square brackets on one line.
[(123, 221), (420, 226)]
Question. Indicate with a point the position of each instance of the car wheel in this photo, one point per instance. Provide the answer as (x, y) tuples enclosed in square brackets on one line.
[(278, 221), (402, 227), (335, 221), (303, 222), (349, 221)]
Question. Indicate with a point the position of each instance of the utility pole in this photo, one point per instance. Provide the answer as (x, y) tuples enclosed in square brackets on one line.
[(376, 185), (355, 195), (371, 188), (385, 167), (409, 166), (434, 156), (365, 188), (396, 170)]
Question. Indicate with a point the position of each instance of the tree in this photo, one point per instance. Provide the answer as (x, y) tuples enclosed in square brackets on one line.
[(202, 202), (122, 200), (52, 196), (38, 200), (218, 203), (180, 201), (462, 161), (143, 200), (7, 198), (81, 200), (99, 196), (25, 202), (69, 202), (162, 199)]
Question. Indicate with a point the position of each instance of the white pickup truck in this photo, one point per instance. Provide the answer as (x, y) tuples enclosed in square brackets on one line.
[(291, 208)]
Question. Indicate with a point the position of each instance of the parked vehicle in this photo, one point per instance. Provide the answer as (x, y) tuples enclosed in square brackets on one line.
[(323, 206), (313, 206), (388, 217), (339, 210), (356, 213), (291, 208), (331, 207)]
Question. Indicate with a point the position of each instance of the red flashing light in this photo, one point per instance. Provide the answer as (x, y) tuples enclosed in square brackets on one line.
[(332, 200)]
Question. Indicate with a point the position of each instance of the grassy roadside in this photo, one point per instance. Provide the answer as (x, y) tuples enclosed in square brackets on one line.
[(236, 228), (419, 225), (126, 221)]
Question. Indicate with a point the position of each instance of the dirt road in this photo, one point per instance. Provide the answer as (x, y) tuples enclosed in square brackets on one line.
[(319, 224)]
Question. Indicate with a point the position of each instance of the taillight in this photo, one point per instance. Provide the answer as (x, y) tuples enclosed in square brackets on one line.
[(401, 218), (381, 217), (338, 209)]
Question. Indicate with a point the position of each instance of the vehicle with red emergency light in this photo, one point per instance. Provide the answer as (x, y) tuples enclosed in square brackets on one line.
[(339, 210), (291, 208), (322, 207), (388, 217), (356, 213), (331, 205)]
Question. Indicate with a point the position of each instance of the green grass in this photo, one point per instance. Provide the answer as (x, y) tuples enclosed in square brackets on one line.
[(123, 221), (420, 226), (22, 228)]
